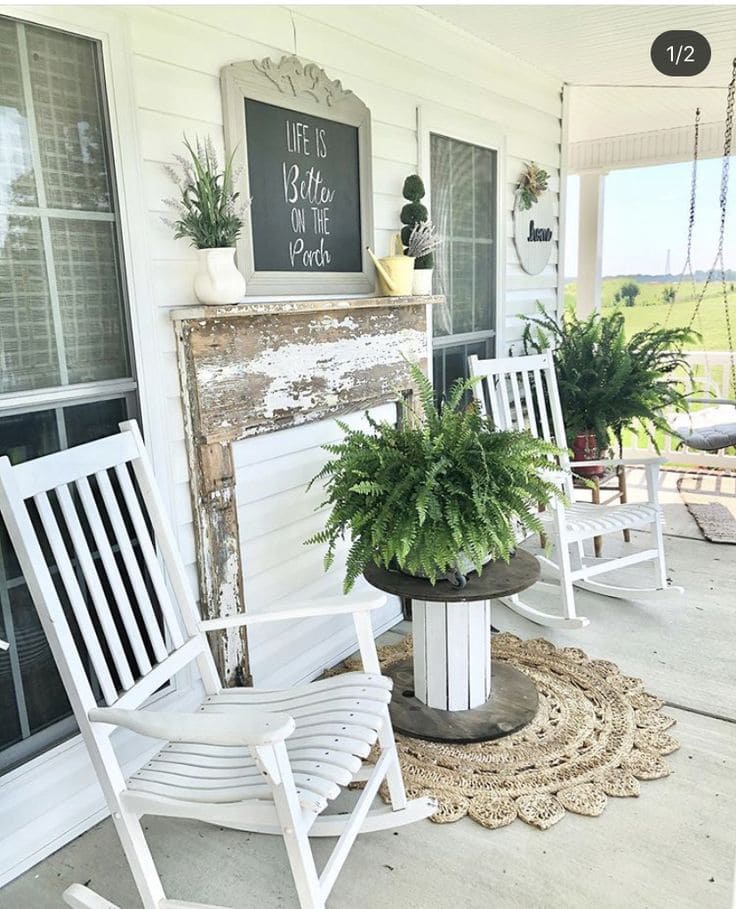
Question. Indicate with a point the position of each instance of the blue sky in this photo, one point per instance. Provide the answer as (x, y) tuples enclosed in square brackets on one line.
[(645, 214)]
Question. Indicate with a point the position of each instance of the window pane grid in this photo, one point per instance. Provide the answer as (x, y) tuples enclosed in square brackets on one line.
[(65, 241), (17, 185), (28, 350), (463, 185), (65, 366), (68, 119), (90, 300)]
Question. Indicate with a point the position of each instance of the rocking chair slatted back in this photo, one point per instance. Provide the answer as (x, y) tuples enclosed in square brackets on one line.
[(521, 393), (91, 558), (89, 528)]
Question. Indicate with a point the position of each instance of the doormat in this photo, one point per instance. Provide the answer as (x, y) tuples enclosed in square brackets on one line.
[(711, 500), (597, 735)]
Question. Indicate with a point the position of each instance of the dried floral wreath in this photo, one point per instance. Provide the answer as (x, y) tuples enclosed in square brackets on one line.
[(532, 183)]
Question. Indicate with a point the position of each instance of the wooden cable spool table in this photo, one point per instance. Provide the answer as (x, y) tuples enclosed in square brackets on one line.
[(452, 690)]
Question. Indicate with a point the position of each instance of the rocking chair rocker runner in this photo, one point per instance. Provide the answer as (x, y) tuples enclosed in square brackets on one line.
[(521, 393), (267, 761)]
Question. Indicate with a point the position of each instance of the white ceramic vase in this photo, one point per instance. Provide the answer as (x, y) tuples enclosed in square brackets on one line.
[(422, 283), (218, 282)]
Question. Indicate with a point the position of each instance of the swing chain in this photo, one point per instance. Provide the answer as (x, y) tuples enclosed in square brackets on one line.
[(688, 264), (693, 187), (723, 197), (723, 204)]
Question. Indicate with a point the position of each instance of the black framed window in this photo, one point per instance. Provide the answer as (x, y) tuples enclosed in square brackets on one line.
[(66, 370), (463, 201)]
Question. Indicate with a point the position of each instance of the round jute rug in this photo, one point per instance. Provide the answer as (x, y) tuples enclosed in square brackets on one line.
[(597, 733)]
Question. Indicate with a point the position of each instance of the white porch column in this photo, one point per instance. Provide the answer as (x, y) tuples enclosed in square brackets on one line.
[(590, 242)]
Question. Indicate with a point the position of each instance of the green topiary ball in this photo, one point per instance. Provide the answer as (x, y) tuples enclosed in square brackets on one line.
[(413, 213), (413, 188)]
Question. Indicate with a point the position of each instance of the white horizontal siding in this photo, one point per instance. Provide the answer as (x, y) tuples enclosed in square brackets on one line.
[(276, 514), (177, 54), (395, 59), (177, 88), (175, 58)]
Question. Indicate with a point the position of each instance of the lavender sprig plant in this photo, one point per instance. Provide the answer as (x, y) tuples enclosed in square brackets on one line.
[(208, 210), (423, 240)]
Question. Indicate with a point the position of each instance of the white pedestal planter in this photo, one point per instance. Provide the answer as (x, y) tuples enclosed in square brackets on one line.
[(452, 654)]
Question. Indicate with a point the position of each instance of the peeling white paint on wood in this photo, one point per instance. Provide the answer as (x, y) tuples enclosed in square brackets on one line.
[(246, 372)]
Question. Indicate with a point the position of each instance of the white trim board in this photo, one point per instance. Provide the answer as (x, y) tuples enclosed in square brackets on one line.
[(646, 149)]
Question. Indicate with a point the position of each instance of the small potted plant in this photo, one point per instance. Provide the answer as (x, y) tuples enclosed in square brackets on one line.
[(423, 241), (418, 234), (210, 214), (609, 384), (436, 495)]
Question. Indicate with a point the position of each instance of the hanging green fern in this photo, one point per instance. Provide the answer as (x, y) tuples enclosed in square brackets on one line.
[(440, 486)]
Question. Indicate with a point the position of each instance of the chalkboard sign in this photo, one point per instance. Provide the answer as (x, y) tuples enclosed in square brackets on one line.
[(305, 180), (303, 145)]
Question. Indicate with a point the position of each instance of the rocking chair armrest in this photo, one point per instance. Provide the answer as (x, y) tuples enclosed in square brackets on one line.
[(327, 606), (644, 461), (247, 728), (559, 477)]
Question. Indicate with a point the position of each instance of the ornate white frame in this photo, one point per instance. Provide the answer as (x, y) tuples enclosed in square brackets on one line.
[(303, 87)]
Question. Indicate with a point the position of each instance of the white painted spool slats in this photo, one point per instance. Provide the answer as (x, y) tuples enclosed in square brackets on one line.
[(452, 653)]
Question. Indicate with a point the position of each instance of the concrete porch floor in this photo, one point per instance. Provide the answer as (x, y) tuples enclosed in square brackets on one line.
[(674, 846)]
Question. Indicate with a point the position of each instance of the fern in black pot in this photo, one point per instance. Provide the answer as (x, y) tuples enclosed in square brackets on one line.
[(609, 383), (435, 496)]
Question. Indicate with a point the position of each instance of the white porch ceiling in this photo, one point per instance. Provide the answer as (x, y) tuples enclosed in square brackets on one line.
[(603, 51)]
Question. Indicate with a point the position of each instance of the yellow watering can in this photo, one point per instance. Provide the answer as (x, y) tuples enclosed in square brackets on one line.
[(395, 273)]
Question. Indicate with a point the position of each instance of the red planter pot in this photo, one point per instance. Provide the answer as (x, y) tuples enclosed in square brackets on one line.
[(585, 448)]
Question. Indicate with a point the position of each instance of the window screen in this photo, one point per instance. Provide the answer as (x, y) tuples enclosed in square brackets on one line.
[(63, 320), (463, 190), (62, 316)]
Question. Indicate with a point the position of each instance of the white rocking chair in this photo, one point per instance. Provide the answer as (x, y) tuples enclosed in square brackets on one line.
[(522, 393), (255, 760)]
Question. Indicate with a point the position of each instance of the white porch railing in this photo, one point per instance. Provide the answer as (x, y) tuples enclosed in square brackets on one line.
[(711, 371)]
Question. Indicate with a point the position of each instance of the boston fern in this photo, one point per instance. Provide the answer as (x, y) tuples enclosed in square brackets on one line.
[(609, 383), (434, 491)]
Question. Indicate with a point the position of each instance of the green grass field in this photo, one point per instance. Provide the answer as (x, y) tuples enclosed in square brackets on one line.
[(649, 310)]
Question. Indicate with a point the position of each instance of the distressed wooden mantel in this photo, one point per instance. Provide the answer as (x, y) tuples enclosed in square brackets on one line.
[(255, 368)]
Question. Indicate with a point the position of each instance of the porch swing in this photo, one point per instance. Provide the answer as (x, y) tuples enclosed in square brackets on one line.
[(713, 427)]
